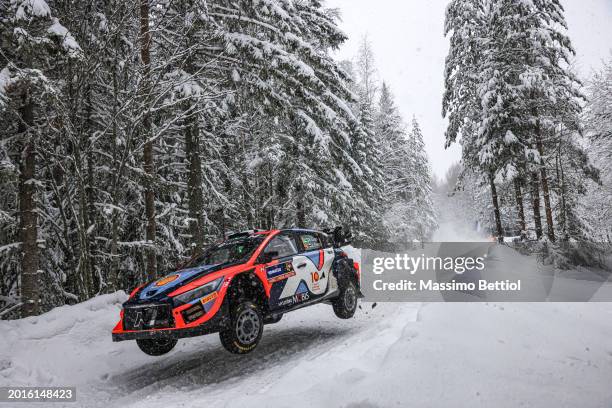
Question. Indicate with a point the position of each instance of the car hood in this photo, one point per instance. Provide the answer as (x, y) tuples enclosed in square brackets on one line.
[(158, 290)]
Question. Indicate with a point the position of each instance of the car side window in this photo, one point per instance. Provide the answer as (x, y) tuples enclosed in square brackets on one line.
[(283, 244), (310, 242)]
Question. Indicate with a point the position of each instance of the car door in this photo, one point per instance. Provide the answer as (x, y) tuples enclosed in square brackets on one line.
[(285, 290), (313, 264)]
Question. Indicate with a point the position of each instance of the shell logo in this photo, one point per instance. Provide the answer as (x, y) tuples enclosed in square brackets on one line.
[(166, 280)]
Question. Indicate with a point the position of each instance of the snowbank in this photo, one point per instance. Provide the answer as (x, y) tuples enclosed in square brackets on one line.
[(68, 345)]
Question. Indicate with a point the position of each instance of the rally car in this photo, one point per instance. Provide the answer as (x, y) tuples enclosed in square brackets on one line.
[(236, 287)]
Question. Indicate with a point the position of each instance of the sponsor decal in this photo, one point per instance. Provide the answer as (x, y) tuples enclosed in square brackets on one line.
[(310, 242), (315, 278), (295, 299), (281, 277), (166, 280), (280, 272), (275, 270), (209, 297)]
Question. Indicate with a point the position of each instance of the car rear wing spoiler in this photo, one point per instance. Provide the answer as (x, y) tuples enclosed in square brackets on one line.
[(241, 234)]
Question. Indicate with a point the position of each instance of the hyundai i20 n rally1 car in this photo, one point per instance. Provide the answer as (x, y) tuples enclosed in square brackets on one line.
[(236, 287)]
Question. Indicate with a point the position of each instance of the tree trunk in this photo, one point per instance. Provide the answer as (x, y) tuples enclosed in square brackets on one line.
[(113, 279), (498, 223), (56, 181), (194, 183), (84, 274), (222, 223), (561, 178), (270, 208), (28, 213), (150, 209), (545, 189), (518, 192), (149, 168), (301, 215), (84, 264), (535, 202), (90, 204), (113, 276), (300, 212)]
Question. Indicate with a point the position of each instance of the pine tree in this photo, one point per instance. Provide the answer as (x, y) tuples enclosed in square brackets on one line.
[(32, 37), (599, 128), (390, 129), (527, 96), (367, 146), (148, 155), (408, 204), (555, 99), (397, 169), (464, 22), (421, 194), (465, 103)]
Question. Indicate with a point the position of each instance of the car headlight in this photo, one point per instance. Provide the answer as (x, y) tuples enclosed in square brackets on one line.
[(198, 292)]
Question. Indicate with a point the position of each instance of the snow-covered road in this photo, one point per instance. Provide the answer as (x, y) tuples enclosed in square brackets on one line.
[(392, 355)]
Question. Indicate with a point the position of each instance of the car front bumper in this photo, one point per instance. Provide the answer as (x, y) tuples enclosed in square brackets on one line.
[(216, 323)]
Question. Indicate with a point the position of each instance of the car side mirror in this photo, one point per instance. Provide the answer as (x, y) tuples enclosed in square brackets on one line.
[(268, 257)]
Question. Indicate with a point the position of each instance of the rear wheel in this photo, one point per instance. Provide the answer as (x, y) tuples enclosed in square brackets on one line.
[(245, 329), (156, 347), (345, 304)]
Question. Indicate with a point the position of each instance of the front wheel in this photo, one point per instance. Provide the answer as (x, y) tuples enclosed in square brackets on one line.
[(345, 304), (245, 329), (156, 347)]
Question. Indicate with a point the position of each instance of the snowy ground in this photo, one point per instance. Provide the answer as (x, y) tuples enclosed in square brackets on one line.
[(457, 232), (391, 355)]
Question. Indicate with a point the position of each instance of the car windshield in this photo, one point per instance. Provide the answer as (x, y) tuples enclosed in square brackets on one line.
[(231, 251)]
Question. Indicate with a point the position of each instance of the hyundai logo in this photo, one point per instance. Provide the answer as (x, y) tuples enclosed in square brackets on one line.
[(138, 319)]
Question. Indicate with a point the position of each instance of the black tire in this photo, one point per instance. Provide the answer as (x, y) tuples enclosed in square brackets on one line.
[(345, 304), (156, 347), (245, 329)]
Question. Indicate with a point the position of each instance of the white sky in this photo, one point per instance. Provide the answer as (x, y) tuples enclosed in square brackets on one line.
[(408, 43)]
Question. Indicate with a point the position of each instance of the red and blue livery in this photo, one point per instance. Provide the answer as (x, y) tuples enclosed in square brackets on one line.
[(236, 287)]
